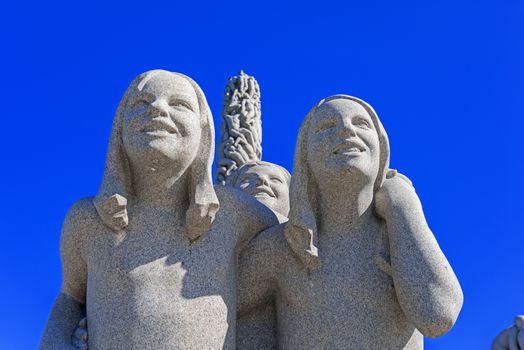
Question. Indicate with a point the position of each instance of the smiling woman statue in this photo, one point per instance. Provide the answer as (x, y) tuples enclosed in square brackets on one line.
[(151, 260), (356, 266)]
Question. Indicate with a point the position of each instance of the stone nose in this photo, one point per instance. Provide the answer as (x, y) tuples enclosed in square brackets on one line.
[(346, 128), (158, 109), (262, 180)]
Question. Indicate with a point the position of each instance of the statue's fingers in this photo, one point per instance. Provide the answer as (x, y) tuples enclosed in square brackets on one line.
[(79, 344), (83, 322), (390, 173), (80, 333)]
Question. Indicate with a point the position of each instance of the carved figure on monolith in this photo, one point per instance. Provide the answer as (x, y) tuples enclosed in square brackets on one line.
[(356, 266), (151, 260)]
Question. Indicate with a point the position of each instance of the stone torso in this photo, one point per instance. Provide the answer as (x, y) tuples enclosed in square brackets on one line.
[(348, 303), (152, 288)]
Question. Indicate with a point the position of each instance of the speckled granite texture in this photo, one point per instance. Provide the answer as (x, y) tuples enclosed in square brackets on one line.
[(356, 266), (152, 257), (162, 259)]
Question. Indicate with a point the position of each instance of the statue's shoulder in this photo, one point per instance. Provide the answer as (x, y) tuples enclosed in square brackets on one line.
[(237, 203), (83, 211), (228, 195), (81, 219), (272, 240)]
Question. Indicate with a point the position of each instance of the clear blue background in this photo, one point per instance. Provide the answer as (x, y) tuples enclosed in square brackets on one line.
[(446, 77)]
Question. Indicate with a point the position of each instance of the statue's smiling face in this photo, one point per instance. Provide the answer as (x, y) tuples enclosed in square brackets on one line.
[(162, 121), (267, 184), (343, 139)]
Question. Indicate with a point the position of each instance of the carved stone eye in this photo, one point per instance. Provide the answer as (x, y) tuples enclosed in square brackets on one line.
[(324, 125), (276, 179), (359, 121), (176, 103)]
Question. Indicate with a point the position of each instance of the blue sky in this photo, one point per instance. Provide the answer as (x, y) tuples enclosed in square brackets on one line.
[(446, 78)]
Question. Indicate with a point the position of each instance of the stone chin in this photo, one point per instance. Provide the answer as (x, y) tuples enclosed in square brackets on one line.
[(159, 149)]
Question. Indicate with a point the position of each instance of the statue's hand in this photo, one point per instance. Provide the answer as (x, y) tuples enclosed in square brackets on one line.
[(397, 192), (511, 338), (79, 337)]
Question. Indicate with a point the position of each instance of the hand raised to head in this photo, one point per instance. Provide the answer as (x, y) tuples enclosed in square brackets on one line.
[(396, 192)]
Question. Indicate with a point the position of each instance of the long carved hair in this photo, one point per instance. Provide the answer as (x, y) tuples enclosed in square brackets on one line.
[(301, 229), (116, 188)]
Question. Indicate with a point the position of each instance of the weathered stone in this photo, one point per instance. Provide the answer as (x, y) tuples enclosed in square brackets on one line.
[(356, 266), (152, 259)]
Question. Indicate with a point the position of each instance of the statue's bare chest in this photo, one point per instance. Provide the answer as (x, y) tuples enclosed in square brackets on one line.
[(159, 259), (350, 278)]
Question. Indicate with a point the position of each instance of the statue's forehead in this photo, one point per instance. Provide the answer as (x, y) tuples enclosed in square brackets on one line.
[(162, 83), (266, 169), (340, 107)]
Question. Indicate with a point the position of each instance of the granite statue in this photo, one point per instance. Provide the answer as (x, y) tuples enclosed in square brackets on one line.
[(356, 266), (150, 261), (267, 182), (511, 338)]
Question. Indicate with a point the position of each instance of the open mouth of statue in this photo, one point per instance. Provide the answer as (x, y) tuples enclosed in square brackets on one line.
[(348, 148), (263, 192), (159, 128)]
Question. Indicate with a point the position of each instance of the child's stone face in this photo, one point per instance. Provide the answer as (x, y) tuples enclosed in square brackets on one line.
[(268, 184)]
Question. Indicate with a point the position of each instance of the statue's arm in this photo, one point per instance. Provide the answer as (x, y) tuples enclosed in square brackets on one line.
[(70, 303), (257, 269), (426, 287), (245, 215)]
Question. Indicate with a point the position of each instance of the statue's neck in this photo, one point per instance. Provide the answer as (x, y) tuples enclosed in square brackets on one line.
[(157, 188), (345, 208)]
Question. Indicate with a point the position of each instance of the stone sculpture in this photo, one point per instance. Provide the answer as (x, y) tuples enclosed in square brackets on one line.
[(511, 338), (151, 260), (267, 182), (241, 128), (356, 266)]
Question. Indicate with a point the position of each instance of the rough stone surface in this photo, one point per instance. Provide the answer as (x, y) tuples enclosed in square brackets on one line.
[(241, 128), (356, 266), (267, 182), (151, 260), (511, 338)]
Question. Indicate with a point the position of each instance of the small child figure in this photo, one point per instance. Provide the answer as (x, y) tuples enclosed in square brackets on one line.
[(267, 182)]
